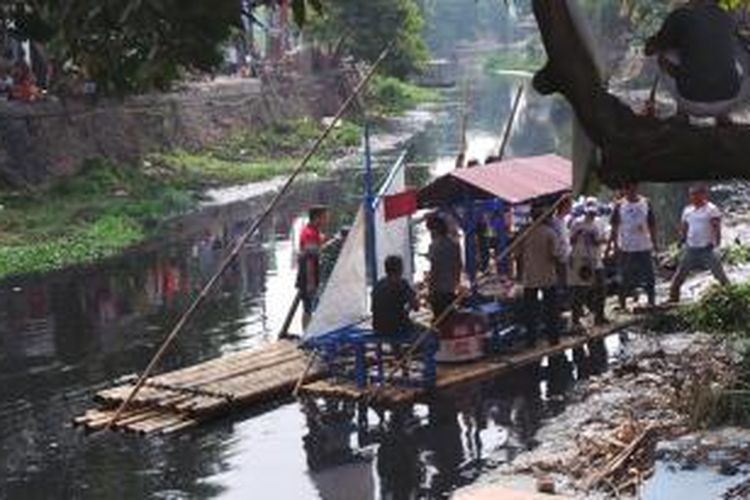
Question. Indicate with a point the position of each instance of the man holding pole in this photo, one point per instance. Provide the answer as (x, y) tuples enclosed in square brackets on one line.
[(540, 257)]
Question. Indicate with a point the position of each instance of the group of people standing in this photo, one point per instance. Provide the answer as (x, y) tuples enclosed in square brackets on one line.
[(563, 259)]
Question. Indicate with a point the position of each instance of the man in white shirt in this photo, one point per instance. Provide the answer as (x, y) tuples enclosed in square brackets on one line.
[(634, 236), (701, 233)]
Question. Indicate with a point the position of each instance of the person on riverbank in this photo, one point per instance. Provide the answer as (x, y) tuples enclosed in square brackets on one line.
[(311, 241), (445, 266), (701, 236), (540, 257), (392, 299), (700, 54), (633, 237), (586, 270)]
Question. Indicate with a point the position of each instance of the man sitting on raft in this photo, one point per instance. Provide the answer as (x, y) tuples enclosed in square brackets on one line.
[(392, 299), (699, 50)]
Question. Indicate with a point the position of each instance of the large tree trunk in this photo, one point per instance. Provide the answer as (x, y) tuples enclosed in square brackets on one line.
[(633, 147)]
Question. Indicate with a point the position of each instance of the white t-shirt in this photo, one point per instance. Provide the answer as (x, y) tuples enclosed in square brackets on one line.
[(634, 234), (700, 232), (588, 245)]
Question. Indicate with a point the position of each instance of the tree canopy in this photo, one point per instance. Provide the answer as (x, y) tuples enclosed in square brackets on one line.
[(363, 29), (130, 45)]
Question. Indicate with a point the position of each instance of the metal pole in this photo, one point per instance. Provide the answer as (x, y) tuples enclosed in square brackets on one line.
[(371, 254)]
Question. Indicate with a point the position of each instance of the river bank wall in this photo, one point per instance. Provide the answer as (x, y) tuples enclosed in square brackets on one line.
[(40, 141)]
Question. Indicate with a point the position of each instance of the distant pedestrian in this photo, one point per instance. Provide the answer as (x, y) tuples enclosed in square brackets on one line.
[(634, 237), (308, 272), (540, 255), (701, 235), (445, 266)]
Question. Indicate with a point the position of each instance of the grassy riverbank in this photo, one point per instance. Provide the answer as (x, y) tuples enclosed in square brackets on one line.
[(390, 96), (105, 208)]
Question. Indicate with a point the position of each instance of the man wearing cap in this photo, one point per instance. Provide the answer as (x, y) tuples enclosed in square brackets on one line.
[(701, 235), (585, 274)]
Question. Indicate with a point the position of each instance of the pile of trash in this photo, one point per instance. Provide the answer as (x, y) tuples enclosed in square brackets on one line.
[(661, 388)]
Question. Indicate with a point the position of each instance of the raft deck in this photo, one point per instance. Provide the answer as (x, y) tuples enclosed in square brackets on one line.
[(453, 375), (187, 397)]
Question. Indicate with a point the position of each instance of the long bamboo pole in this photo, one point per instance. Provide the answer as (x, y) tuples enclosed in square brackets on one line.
[(463, 139), (406, 358), (284, 333), (240, 242), (511, 121)]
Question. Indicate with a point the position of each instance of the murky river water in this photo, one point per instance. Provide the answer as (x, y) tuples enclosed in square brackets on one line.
[(65, 335)]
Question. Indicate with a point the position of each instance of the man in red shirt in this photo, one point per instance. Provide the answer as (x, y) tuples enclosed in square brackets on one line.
[(311, 241)]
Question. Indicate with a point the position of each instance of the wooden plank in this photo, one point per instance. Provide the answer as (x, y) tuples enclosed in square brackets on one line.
[(184, 398), (189, 396), (211, 369)]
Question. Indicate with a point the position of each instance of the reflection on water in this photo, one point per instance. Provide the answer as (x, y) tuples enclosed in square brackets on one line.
[(65, 335)]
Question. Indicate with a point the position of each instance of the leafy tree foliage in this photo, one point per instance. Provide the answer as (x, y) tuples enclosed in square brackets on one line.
[(362, 29), (129, 45)]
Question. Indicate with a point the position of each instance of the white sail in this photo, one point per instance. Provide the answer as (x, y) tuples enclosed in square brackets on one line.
[(393, 237), (344, 298)]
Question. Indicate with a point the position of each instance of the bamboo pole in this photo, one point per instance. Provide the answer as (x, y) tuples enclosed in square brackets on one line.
[(462, 139), (208, 287), (284, 333), (511, 121)]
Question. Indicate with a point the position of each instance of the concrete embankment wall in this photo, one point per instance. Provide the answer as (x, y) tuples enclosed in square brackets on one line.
[(47, 139)]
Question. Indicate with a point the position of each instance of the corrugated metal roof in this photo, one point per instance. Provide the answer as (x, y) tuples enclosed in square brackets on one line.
[(515, 181)]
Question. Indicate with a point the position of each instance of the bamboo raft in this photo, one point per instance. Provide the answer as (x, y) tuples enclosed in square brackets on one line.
[(185, 398), (454, 375)]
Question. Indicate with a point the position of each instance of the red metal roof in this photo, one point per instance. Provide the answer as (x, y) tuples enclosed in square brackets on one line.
[(515, 181)]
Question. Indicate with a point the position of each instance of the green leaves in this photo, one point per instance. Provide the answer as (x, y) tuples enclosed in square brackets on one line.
[(723, 310), (362, 29), (131, 45), (734, 4), (106, 237)]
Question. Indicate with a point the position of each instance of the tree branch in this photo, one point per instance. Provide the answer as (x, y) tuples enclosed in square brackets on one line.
[(633, 147)]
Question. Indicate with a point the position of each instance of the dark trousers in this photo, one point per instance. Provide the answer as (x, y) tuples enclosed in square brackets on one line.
[(592, 297), (440, 301), (637, 269), (542, 303), (697, 259)]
